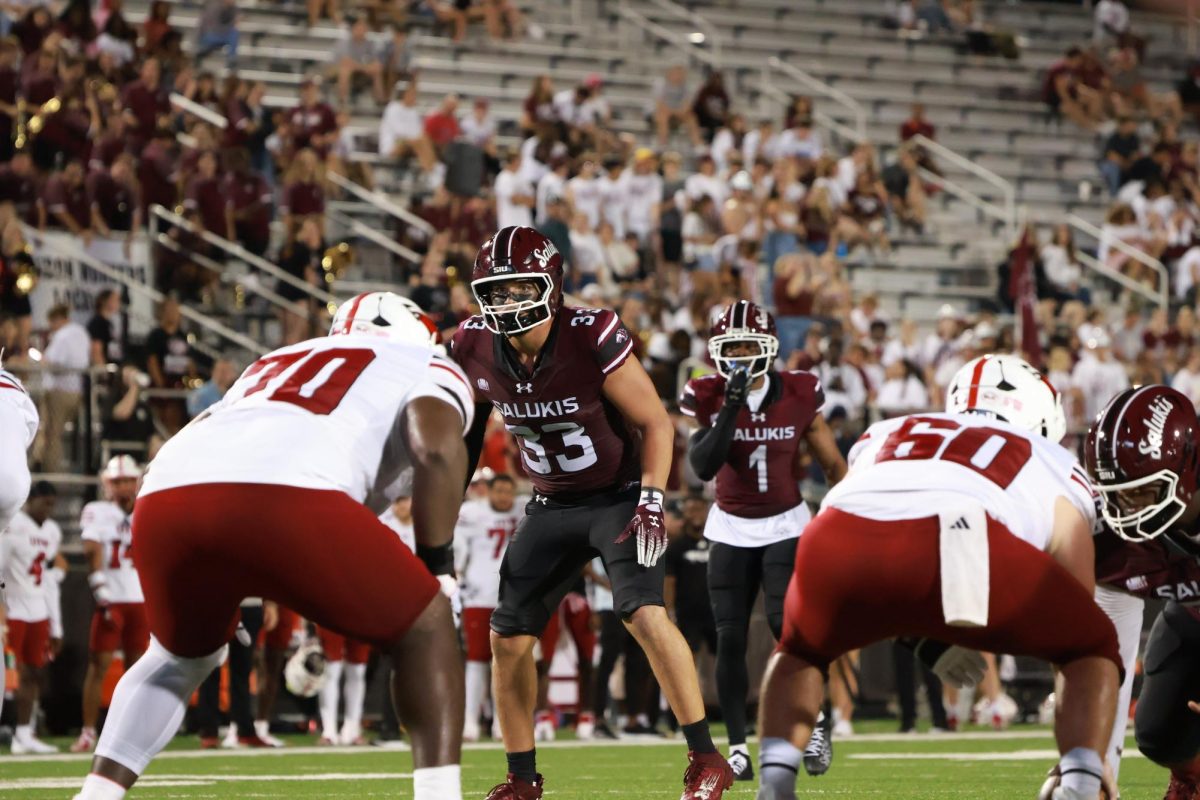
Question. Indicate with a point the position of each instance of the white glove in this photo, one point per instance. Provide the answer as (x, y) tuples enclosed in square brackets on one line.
[(960, 667), (450, 589), (100, 590)]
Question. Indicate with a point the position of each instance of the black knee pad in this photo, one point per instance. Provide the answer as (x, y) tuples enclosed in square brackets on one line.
[(1167, 731)]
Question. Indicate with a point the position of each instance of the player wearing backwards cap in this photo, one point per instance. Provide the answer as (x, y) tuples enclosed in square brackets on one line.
[(274, 492), (30, 570), (119, 619), (921, 539)]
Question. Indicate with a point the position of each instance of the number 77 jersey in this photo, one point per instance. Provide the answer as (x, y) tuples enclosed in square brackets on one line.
[(321, 414), (912, 467)]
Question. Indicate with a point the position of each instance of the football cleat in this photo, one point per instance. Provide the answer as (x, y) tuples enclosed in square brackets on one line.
[(32, 746), (516, 789), (585, 727), (707, 777), (327, 741), (1052, 791), (85, 743), (263, 728), (739, 762), (210, 742), (818, 755), (1180, 788), (544, 727)]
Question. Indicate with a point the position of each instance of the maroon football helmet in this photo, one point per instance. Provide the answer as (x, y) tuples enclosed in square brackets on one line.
[(744, 322), (1142, 456), (517, 280)]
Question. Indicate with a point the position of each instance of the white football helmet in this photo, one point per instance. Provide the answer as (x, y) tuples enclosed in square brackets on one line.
[(387, 315), (304, 673), (123, 466), (1008, 388)]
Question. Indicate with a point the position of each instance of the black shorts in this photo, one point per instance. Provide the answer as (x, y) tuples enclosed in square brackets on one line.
[(1167, 731), (549, 550)]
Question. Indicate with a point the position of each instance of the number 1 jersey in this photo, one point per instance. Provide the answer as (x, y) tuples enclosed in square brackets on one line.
[(913, 467), (322, 414), (107, 524), (573, 441)]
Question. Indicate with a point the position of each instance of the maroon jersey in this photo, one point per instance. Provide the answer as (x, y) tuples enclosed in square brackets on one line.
[(114, 200), (206, 197), (59, 197), (760, 476), (20, 190), (573, 441), (249, 192), (302, 198), (1146, 569), (310, 121), (146, 105)]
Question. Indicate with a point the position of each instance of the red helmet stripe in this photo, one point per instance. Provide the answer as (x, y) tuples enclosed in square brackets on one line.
[(354, 304), (976, 376)]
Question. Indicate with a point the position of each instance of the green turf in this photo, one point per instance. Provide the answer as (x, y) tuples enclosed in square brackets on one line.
[(642, 770)]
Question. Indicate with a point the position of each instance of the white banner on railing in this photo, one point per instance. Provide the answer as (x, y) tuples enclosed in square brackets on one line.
[(67, 280)]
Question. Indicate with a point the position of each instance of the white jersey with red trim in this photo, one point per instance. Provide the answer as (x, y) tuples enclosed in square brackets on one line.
[(480, 539), (27, 552), (106, 523), (1015, 475), (322, 414), (405, 530), (15, 401)]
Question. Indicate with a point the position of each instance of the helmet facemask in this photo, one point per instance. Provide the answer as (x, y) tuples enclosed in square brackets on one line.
[(517, 313), (758, 363), (1144, 508)]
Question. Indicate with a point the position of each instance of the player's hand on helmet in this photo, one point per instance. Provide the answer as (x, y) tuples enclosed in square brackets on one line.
[(649, 528), (737, 387), (960, 667)]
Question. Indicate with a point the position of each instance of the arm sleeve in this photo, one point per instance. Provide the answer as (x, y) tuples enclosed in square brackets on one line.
[(709, 447)]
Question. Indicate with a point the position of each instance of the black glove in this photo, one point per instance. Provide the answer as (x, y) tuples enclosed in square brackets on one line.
[(737, 387)]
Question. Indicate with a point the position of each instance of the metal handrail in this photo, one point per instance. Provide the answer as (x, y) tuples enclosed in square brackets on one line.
[(820, 117), (712, 34), (213, 266), (688, 48), (1116, 276), (237, 251), (203, 112), (1080, 224), (1005, 186), (819, 86), (367, 232), (964, 194), (72, 250), (380, 201)]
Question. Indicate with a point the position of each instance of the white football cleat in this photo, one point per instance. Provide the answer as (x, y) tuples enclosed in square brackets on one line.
[(263, 728), (230, 742), (471, 732), (32, 746), (843, 728), (544, 728), (585, 728), (86, 742)]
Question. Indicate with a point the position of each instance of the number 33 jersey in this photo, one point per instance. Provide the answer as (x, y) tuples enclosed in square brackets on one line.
[(913, 467), (573, 440), (321, 414)]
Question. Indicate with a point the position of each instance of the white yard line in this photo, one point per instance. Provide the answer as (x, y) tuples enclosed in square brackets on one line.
[(1015, 755), (208, 780)]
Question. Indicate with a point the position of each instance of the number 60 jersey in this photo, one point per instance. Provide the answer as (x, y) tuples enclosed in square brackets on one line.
[(573, 441), (322, 414), (913, 467)]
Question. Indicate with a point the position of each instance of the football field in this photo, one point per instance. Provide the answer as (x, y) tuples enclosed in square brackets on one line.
[(975, 764)]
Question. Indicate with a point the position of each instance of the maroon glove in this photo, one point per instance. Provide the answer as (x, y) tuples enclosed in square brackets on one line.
[(647, 524)]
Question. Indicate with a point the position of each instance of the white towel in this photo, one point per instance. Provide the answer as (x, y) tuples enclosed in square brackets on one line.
[(963, 545)]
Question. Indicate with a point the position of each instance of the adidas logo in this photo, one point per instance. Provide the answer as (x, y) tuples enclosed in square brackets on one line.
[(960, 525)]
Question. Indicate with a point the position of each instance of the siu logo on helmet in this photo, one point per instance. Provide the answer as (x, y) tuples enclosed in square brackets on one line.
[(1152, 444)]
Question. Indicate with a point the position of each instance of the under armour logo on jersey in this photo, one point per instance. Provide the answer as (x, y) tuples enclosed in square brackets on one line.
[(758, 416), (540, 498), (524, 388), (961, 524), (482, 384)]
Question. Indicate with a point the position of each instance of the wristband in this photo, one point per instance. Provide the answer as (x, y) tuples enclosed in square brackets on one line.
[(439, 559), (651, 495)]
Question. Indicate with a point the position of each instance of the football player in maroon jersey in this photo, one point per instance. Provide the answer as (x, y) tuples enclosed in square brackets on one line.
[(597, 445), (1143, 453), (752, 421)]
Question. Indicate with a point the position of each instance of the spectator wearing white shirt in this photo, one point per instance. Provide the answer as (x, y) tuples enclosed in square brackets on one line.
[(905, 347), (552, 187), (479, 127), (1062, 267), (1097, 375), (643, 193), (705, 182), (583, 191), (536, 152), (802, 141), (728, 139), (1187, 379), (843, 384), (762, 142), (402, 129), (613, 196), (67, 355), (588, 265), (903, 391), (514, 194)]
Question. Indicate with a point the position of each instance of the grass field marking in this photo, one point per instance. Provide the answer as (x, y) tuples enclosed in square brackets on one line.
[(1015, 755), (208, 780)]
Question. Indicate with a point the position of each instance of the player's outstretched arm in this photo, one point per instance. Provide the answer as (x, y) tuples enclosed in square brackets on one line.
[(1071, 543), (630, 389), (433, 434), (824, 448)]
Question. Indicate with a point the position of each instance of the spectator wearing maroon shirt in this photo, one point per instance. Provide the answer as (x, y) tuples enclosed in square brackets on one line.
[(204, 198), (33, 28), (39, 77), (156, 26), (303, 194), (64, 202), (19, 185), (112, 142), (67, 133), (313, 123), (441, 126), (247, 204), (145, 102), (917, 125), (300, 258), (711, 105), (10, 82), (1064, 91), (157, 171), (116, 199), (75, 23)]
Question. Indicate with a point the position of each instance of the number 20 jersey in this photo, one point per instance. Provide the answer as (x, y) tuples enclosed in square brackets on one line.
[(573, 441), (321, 414), (914, 467)]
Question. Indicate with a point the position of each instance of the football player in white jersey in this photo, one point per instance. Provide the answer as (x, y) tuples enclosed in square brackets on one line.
[(399, 518), (922, 539), (480, 538), (119, 619), (18, 427), (28, 556), (275, 492)]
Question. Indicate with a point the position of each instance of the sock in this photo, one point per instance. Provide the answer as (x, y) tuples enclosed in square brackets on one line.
[(1081, 770), (699, 740), (98, 788), (523, 765), (779, 764), (262, 727), (438, 783), (356, 692), (477, 680), (328, 702), (149, 703), (23, 733)]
